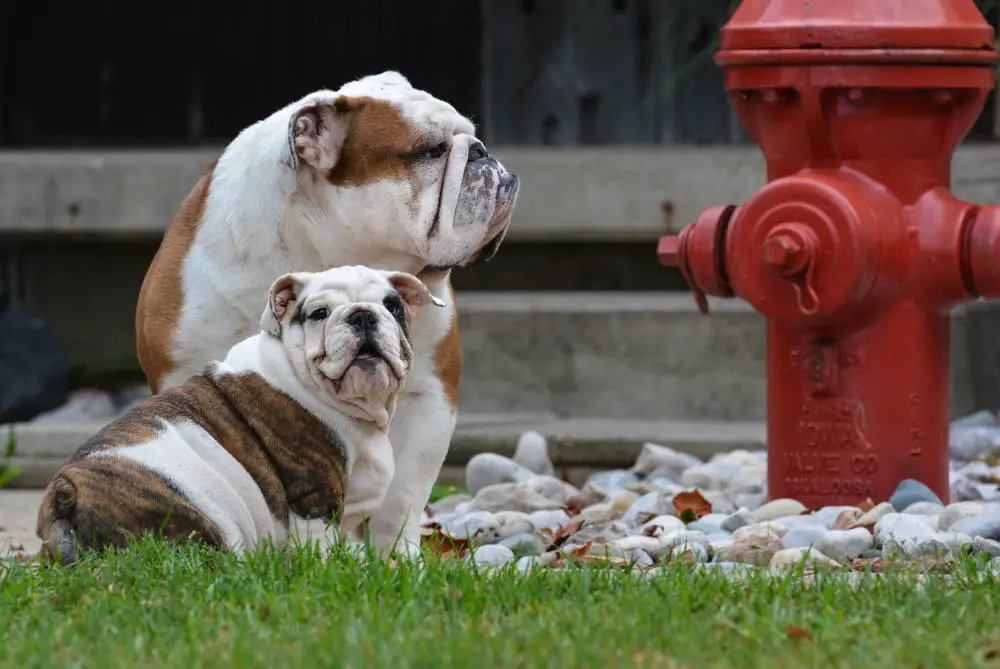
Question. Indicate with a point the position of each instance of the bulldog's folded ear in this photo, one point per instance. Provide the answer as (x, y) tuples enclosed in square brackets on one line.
[(412, 291), (316, 132), (281, 299)]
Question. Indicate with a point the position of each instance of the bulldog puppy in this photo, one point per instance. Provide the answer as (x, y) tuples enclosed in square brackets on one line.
[(376, 173), (292, 424)]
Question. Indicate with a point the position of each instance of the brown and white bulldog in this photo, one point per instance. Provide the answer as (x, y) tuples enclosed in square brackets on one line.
[(291, 426), (377, 173)]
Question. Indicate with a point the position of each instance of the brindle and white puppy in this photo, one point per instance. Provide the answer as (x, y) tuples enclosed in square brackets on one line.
[(293, 423)]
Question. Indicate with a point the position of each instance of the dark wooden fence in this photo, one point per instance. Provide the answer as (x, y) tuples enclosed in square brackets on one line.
[(187, 72)]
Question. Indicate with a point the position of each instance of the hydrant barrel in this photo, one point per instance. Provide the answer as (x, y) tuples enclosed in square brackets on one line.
[(850, 416), (855, 250)]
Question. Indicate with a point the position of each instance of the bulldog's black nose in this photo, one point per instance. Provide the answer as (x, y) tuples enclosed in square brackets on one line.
[(362, 319), (477, 152)]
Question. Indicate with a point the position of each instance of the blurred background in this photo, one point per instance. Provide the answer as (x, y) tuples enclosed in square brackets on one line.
[(612, 112)]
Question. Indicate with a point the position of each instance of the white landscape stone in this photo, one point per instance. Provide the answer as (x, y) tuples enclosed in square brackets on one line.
[(629, 513), (778, 508), (958, 511), (532, 453), (488, 469), (846, 544), (761, 532), (788, 558)]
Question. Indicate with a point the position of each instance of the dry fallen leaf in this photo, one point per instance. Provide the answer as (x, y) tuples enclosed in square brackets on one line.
[(866, 505), (558, 538), (845, 519), (574, 505), (441, 545), (868, 526), (691, 503), (796, 632), (582, 550), (653, 530)]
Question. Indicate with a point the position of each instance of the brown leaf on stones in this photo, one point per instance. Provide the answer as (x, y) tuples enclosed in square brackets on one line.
[(866, 505), (846, 519), (868, 526), (558, 538), (691, 503), (574, 505), (441, 545), (653, 530), (797, 633)]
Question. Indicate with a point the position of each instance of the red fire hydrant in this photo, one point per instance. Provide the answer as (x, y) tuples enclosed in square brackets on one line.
[(855, 250)]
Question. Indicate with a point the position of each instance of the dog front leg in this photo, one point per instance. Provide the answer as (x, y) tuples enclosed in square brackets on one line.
[(420, 433), (371, 477)]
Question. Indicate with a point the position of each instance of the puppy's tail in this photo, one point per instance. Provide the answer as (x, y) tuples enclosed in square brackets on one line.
[(55, 529)]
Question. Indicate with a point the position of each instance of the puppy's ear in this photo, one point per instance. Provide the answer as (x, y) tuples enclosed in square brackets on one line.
[(412, 291), (316, 132), (281, 299)]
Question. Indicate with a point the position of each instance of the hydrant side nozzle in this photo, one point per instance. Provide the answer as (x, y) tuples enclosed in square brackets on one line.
[(981, 253), (700, 253), (953, 250), (672, 252)]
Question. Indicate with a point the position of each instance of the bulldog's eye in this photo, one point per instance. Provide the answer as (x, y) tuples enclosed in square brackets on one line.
[(320, 314), (394, 305), (435, 152)]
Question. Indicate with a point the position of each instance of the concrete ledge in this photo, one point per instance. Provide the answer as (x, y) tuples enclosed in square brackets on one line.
[(634, 356), (576, 193), (579, 445)]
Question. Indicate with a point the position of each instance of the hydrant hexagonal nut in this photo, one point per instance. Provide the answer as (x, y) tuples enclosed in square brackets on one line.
[(780, 251)]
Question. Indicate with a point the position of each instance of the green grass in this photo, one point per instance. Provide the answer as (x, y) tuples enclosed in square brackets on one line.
[(439, 490), (160, 606)]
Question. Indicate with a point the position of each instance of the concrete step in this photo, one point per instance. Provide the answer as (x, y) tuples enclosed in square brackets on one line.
[(627, 356), (578, 446)]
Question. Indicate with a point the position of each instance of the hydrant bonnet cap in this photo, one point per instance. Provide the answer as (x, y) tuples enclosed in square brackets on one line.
[(857, 24)]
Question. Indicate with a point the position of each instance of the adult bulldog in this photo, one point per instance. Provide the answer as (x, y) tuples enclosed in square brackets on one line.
[(291, 427), (377, 173)]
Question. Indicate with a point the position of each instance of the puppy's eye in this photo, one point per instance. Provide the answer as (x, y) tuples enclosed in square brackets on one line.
[(394, 306), (320, 314)]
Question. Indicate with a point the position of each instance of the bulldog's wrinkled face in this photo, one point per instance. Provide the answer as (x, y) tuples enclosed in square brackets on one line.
[(345, 330), (404, 169)]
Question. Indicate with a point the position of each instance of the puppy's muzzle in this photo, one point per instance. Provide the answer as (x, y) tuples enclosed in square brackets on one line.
[(364, 322)]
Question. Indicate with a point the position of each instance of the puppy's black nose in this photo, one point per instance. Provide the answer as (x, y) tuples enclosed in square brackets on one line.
[(477, 152), (362, 319)]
